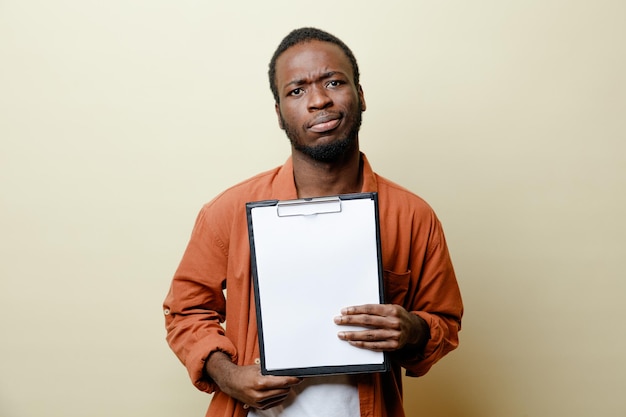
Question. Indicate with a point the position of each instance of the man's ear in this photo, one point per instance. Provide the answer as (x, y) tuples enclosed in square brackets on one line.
[(280, 119), (362, 97)]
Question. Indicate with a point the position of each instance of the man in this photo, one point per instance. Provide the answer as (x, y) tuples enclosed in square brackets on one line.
[(315, 81)]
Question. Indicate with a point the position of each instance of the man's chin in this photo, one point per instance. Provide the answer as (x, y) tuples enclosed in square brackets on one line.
[(328, 152)]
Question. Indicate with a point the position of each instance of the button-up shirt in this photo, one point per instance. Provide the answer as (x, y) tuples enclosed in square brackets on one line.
[(215, 267)]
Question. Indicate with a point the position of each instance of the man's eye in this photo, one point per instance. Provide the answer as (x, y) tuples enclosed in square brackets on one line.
[(296, 92), (334, 83)]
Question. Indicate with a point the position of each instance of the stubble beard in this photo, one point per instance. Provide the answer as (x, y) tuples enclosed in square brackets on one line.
[(326, 152)]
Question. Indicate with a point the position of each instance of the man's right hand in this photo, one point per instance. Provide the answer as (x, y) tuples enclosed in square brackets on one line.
[(247, 384)]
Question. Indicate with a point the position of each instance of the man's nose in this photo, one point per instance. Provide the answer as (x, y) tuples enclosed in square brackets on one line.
[(319, 98)]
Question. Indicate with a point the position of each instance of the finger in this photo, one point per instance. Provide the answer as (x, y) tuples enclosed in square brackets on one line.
[(381, 310), (369, 335), (272, 382), (377, 340), (378, 346), (367, 320), (271, 399), (280, 382), (375, 309)]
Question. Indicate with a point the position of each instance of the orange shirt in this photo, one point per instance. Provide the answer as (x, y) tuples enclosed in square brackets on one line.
[(418, 275)]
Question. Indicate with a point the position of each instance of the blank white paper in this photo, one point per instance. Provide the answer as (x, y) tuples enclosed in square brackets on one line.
[(308, 268)]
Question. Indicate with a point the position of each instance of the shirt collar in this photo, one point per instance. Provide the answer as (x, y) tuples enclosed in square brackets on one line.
[(285, 186), (370, 185)]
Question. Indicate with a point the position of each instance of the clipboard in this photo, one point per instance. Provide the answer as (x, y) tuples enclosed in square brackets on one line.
[(309, 259)]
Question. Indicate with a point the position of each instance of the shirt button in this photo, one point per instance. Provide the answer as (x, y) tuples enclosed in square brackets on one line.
[(257, 361), (166, 311)]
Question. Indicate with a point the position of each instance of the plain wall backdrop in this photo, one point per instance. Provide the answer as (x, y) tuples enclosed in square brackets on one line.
[(119, 119)]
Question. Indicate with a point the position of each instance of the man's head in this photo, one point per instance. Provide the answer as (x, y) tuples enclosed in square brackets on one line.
[(318, 98), (308, 34)]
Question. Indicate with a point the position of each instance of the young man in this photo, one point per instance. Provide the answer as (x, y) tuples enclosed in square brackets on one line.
[(315, 81)]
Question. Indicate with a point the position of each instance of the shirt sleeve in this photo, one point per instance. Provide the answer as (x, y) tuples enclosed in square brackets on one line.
[(195, 306), (436, 299)]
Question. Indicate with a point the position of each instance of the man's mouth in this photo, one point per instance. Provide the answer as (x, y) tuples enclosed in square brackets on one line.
[(325, 123)]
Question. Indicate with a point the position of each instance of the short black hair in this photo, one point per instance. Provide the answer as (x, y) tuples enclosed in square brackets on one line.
[(302, 35)]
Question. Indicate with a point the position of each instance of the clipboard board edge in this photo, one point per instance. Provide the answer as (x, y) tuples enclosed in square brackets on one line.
[(329, 370), (254, 273), (319, 370)]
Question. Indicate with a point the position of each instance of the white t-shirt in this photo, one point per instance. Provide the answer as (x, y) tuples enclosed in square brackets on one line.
[(322, 396)]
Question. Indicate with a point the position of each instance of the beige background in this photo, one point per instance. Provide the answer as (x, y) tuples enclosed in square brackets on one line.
[(118, 119)]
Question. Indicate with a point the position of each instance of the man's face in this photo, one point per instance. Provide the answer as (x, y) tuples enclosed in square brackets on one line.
[(320, 106)]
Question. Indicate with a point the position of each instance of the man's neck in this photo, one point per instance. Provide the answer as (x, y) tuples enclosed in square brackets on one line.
[(315, 179)]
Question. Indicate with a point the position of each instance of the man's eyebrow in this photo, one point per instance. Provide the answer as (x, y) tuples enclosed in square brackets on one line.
[(296, 82), (324, 76)]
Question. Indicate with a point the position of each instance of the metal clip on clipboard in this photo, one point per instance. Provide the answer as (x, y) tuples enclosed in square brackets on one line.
[(308, 206)]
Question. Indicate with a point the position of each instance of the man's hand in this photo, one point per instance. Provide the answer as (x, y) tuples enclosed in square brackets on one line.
[(246, 384), (388, 327)]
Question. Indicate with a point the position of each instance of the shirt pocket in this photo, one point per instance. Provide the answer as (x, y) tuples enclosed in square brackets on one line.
[(396, 286)]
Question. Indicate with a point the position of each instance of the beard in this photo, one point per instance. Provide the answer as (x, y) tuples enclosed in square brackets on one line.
[(327, 152)]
